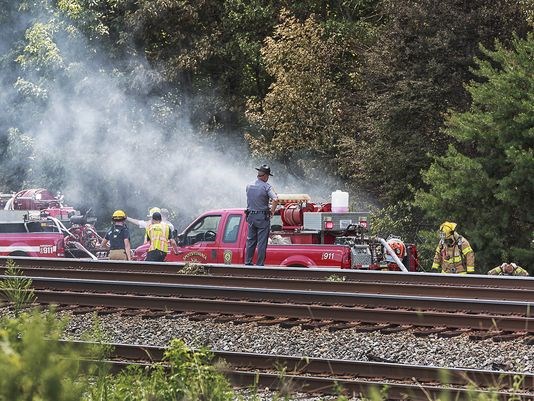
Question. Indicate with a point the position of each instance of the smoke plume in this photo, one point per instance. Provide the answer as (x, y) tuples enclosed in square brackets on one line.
[(109, 138)]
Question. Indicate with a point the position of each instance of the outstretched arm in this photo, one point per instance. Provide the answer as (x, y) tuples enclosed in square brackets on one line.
[(138, 223)]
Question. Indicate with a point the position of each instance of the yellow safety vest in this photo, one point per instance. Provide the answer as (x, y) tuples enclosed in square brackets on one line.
[(159, 234)]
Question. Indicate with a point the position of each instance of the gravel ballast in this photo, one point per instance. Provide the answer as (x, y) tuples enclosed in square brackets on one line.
[(401, 347)]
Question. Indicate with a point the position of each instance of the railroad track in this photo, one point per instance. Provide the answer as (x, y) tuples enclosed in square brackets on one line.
[(461, 304), (213, 278), (99, 294), (471, 281), (327, 376), (420, 284), (312, 298)]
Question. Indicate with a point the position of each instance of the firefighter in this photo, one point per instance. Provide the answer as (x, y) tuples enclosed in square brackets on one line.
[(259, 214), (454, 253), (145, 223), (118, 238), (508, 269), (159, 235)]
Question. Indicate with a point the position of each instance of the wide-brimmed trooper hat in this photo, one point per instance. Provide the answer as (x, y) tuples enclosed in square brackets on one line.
[(264, 168)]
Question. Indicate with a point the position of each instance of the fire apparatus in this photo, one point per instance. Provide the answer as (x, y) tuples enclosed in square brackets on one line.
[(303, 234), (34, 222)]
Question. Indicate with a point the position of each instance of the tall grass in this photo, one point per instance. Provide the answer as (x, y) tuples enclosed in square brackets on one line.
[(16, 288)]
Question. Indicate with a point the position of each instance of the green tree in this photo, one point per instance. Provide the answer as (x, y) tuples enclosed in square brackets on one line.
[(414, 74), (486, 182), (309, 107)]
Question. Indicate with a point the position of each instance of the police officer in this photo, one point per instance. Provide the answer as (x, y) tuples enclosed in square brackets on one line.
[(159, 235), (259, 214), (453, 253), (118, 237)]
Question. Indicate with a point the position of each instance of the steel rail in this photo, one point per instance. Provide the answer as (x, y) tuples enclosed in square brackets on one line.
[(497, 307), (284, 272), (298, 311), (399, 288), (339, 367), (352, 387), (327, 376)]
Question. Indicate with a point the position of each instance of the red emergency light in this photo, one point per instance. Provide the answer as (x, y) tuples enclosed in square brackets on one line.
[(328, 224)]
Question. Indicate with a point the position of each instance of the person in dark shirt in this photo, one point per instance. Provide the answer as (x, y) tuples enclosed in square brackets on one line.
[(118, 238)]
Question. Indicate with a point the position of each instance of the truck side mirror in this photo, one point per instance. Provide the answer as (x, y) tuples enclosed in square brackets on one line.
[(180, 237)]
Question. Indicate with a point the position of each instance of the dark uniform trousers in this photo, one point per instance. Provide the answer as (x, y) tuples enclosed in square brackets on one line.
[(259, 225), (155, 255)]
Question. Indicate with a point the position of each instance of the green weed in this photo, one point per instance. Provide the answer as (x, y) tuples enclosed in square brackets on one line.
[(16, 288)]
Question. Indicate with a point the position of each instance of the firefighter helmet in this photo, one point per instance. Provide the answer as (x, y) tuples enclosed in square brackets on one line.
[(118, 215), (153, 210), (447, 228)]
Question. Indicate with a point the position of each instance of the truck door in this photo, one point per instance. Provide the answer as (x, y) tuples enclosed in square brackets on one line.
[(201, 242), (231, 251)]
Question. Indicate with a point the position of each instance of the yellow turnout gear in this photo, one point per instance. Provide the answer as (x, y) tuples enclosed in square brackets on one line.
[(457, 257), (508, 269)]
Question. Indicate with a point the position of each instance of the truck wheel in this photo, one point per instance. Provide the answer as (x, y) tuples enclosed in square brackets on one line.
[(297, 266), (18, 253)]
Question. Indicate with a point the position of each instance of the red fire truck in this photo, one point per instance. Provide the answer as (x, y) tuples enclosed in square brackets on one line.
[(303, 234), (36, 223)]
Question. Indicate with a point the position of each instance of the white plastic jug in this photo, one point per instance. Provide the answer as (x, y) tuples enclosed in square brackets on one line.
[(340, 202)]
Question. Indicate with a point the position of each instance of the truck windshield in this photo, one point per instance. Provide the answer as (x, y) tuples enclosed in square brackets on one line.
[(205, 229)]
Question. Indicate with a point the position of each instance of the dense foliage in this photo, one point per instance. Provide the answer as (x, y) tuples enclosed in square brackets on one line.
[(486, 180), (371, 93), (33, 365)]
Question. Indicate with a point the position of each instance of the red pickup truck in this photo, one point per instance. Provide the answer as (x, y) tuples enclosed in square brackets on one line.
[(34, 234), (219, 236), (29, 239)]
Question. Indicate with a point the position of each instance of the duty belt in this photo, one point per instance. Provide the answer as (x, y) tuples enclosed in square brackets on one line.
[(258, 211)]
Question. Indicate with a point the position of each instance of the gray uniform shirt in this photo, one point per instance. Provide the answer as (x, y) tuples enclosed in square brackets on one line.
[(258, 194)]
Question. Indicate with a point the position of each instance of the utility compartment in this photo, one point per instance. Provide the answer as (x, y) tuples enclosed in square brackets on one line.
[(328, 221)]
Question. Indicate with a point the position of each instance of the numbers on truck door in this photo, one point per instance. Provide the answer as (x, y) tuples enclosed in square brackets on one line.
[(327, 256), (47, 249)]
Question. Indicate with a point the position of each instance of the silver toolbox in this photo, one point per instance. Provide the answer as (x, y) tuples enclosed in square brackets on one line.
[(316, 220)]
